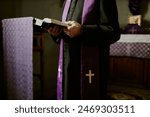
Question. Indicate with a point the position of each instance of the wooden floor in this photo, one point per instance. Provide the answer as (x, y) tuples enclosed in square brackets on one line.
[(138, 93)]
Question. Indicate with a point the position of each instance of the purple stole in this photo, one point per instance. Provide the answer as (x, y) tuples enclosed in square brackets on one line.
[(86, 68), (60, 64), (89, 61)]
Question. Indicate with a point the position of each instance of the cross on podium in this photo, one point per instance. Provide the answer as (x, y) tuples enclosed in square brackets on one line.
[(90, 74), (133, 30)]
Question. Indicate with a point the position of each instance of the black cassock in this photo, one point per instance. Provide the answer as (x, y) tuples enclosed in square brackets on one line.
[(85, 58)]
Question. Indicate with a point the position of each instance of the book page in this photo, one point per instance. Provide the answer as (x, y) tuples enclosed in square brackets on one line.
[(38, 22), (54, 21)]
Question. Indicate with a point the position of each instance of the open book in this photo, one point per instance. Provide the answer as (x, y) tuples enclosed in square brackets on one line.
[(48, 22)]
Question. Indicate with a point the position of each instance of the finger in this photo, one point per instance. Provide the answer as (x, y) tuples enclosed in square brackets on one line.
[(67, 33), (49, 30), (57, 29)]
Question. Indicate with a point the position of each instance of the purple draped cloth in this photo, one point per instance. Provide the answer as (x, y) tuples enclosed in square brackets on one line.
[(17, 46), (132, 45), (88, 4)]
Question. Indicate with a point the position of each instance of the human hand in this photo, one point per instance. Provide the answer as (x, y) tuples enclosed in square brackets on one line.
[(55, 30), (73, 29)]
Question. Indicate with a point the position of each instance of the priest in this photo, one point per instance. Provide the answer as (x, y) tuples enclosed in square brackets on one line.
[(84, 48)]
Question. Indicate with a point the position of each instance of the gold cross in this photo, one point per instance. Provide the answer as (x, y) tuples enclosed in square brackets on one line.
[(133, 30), (90, 74)]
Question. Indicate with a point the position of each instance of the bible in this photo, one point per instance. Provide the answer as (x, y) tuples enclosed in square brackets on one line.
[(48, 22)]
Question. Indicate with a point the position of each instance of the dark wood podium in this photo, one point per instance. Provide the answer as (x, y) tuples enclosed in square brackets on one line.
[(38, 48)]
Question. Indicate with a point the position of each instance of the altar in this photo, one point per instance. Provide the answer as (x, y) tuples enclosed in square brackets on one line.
[(130, 60)]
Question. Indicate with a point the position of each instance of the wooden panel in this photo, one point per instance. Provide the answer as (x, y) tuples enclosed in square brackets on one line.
[(147, 73), (130, 71)]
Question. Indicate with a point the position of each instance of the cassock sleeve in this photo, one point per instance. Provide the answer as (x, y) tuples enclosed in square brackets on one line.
[(107, 28)]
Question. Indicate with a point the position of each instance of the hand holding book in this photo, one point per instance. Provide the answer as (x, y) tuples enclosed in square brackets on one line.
[(74, 29), (55, 27)]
